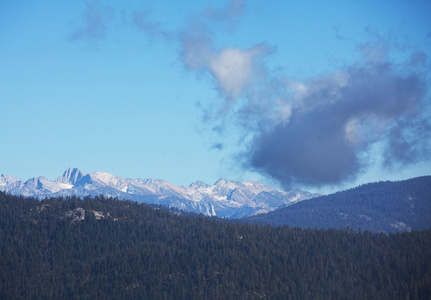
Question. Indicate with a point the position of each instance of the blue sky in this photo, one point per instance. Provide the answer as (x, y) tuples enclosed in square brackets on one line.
[(320, 95)]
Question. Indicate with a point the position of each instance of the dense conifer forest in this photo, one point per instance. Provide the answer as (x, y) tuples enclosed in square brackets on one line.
[(380, 206), (99, 248)]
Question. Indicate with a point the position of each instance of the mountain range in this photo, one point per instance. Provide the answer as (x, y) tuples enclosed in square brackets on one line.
[(230, 199)]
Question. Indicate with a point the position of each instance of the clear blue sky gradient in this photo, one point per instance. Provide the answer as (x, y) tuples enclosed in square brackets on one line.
[(105, 86)]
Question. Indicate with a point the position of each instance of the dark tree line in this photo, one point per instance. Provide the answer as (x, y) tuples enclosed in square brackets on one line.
[(125, 250)]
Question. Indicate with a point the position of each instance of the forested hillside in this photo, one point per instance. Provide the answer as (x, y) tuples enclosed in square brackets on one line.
[(378, 207), (110, 249)]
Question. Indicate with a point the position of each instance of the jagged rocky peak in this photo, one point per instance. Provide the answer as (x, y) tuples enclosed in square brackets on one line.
[(198, 184), (228, 183), (221, 181), (224, 198), (36, 180), (71, 176), (7, 179)]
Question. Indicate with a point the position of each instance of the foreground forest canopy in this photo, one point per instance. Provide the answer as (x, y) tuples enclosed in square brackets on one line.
[(99, 248)]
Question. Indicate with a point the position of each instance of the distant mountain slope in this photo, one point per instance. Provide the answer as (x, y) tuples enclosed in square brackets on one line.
[(231, 199), (381, 206)]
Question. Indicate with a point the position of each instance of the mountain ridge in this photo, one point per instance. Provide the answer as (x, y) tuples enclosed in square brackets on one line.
[(232, 199), (388, 206)]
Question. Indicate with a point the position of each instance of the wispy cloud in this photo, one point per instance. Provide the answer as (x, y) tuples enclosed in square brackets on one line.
[(235, 71), (338, 33), (319, 131), (323, 130), (232, 69), (94, 22), (141, 20), (229, 14)]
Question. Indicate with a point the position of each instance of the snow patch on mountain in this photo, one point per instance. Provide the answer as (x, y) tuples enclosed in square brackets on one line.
[(224, 198)]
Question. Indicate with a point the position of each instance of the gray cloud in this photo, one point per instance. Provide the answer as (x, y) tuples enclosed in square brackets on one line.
[(333, 121), (408, 141), (316, 132), (320, 131), (324, 130)]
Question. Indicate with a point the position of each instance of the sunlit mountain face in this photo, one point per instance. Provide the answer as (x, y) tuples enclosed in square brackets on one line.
[(231, 199)]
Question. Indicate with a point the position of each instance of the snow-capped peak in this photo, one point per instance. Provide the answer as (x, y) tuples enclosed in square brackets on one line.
[(220, 181), (198, 184), (224, 198), (7, 179), (107, 178), (71, 176)]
